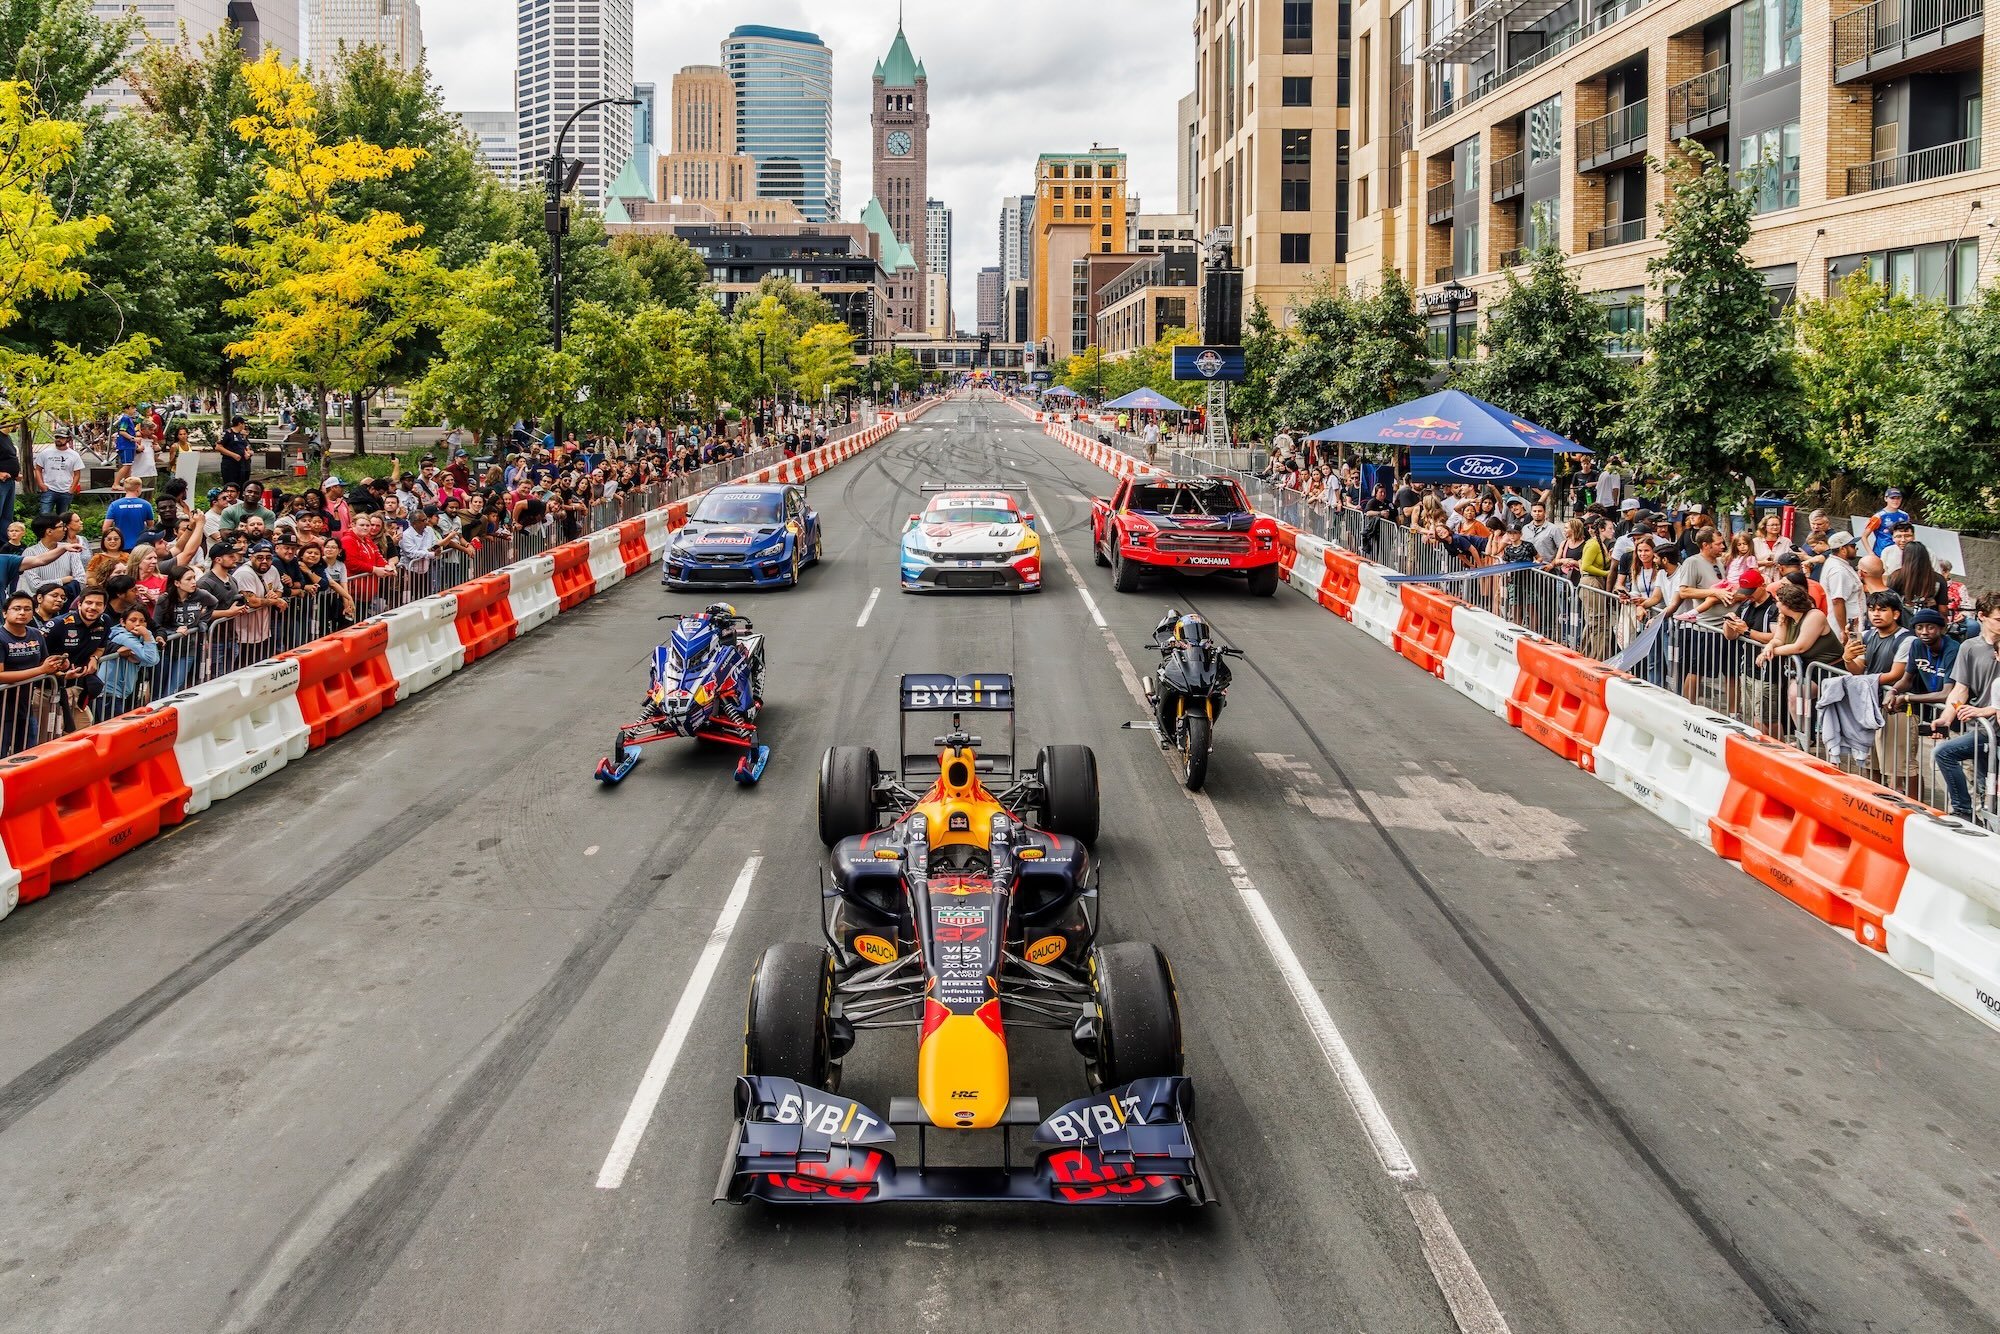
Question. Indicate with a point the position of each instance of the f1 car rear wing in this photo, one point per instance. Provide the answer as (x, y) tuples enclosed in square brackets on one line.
[(937, 701)]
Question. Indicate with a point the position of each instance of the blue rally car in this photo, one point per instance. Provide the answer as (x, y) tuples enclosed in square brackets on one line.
[(745, 537)]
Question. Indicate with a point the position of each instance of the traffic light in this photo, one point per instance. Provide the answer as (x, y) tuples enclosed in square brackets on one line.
[(985, 349)]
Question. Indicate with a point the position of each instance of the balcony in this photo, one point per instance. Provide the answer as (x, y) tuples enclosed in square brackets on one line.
[(1925, 164), (1906, 37), (1611, 140), (1697, 105), (1512, 18), (1439, 199), (1617, 233), (1508, 176)]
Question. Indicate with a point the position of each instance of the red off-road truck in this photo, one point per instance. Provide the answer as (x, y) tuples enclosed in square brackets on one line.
[(1183, 525)]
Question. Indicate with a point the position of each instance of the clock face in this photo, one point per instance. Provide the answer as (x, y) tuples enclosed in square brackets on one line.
[(899, 144)]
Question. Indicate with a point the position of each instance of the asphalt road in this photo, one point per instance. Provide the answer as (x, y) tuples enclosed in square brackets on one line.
[(350, 1052)]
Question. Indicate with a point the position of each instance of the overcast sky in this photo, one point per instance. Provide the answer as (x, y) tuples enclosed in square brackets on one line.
[(1009, 79)]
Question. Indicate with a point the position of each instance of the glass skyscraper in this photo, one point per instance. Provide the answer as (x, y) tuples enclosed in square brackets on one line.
[(784, 115)]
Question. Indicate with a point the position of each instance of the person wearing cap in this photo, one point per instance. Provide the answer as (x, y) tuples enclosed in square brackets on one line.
[(1844, 592), (58, 474), (234, 447), (1927, 661), (259, 589), (125, 438), (1883, 652), (338, 513), (1881, 526)]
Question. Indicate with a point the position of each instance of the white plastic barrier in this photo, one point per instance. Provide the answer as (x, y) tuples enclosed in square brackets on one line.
[(1946, 926), (658, 534), (531, 595), (1309, 570), (239, 729), (1378, 607), (1665, 754), (1481, 664), (607, 562), (424, 647)]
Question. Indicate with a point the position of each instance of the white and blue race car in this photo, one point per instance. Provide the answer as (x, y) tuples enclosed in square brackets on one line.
[(971, 537), (744, 536)]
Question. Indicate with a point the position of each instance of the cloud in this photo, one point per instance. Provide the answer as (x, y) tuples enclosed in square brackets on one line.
[(1009, 79)]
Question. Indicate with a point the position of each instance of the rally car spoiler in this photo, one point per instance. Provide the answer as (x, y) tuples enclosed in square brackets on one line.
[(797, 1145)]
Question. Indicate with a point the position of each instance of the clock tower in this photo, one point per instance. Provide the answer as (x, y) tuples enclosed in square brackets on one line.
[(902, 124)]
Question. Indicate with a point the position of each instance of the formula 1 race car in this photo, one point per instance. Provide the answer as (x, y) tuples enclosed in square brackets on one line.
[(707, 683), (971, 537), (744, 536), (961, 910)]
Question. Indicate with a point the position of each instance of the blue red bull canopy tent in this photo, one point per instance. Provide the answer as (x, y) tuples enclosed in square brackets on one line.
[(1143, 400), (1454, 437)]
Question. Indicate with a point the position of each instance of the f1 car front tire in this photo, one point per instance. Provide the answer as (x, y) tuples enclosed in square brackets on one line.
[(791, 999), (847, 777), (1138, 1014), (1069, 791), (1264, 581)]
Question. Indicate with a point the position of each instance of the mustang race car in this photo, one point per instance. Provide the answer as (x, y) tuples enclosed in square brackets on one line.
[(745, 537), (971, 537), (1183, 525), (707, 683), (961, 902)]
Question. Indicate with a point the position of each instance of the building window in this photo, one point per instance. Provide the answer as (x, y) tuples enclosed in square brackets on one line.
[(1625, 321), (1544, 223), (1083, 171), (1058, 171), (1057, 210), (1295, 196), (1768, 165), (1465, 250), (1771, 36), (1056, 192), (1298, 27), (1104, 229), (1296, 147), (1297, 90), (1545, 129), (1295, 247)]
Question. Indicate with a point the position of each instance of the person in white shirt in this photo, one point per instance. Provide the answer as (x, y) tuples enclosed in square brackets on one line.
[(1609, 484), (1844, 594), (58, 474), (419, 542)]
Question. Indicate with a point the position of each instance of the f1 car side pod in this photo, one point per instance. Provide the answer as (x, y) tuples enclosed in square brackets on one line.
[(798, 1145)]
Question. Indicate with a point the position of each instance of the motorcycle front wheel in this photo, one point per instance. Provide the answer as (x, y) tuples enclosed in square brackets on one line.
[(1194, 742)]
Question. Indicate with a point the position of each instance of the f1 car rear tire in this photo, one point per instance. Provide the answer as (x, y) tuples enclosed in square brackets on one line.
[(785, 1032), (1138, 1014), (847, 777), (1069, 791), (1124, 574), (1264, 581)]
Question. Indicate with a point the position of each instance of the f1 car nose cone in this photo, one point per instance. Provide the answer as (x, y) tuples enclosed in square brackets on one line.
[(962, 1073)]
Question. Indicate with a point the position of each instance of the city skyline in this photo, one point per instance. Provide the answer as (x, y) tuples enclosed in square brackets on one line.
[(1004, 95)]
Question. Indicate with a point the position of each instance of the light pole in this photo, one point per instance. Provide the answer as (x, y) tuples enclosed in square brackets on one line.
[(562, 179), (763, 423)]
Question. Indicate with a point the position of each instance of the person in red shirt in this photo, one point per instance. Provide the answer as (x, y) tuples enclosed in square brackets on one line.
[(1790, 563)]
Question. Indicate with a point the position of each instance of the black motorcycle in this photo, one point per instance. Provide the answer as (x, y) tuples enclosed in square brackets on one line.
[(1188, 691)]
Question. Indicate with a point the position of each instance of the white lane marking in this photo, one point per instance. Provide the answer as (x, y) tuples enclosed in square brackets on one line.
[(1089, 602), (654, 1082), (873, 594), (1465, 1294)]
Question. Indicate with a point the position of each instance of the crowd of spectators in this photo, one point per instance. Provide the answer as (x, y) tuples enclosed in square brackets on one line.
[(170, 590), (1861, 646)]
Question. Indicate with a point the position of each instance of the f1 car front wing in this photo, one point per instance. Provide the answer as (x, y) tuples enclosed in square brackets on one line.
[(797, 1145)]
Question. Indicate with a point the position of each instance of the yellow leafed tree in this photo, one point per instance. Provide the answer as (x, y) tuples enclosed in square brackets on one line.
[(329, 291)]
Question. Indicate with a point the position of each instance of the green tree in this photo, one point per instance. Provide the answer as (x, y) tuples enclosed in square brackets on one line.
[(494, 367), (1351, 354), (715, 357), (1716, 396), (666, 267), (591, 272), (1943, 439), (1545, 360), (1252, 403), (823, 362), (803, 307), (895, 369), (329, 297), (62, 51), (767, 332), (1861, 353)]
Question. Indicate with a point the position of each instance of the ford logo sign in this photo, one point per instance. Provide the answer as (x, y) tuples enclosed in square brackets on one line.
[(1482, 467)]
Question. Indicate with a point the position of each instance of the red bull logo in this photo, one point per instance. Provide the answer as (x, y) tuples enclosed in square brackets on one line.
[(1429, 423)]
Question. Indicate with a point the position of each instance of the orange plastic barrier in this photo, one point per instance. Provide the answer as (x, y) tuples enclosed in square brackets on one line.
[(677, 515), (1828, 841), (485, 618), (1423, 635), (575, 585), (344, 679), (69, 806), (1559, 700), (1288, 551), (632, 546), (1342, 583)]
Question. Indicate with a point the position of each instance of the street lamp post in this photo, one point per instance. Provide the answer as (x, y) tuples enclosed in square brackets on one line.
[(763, 422), (562, 179)]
